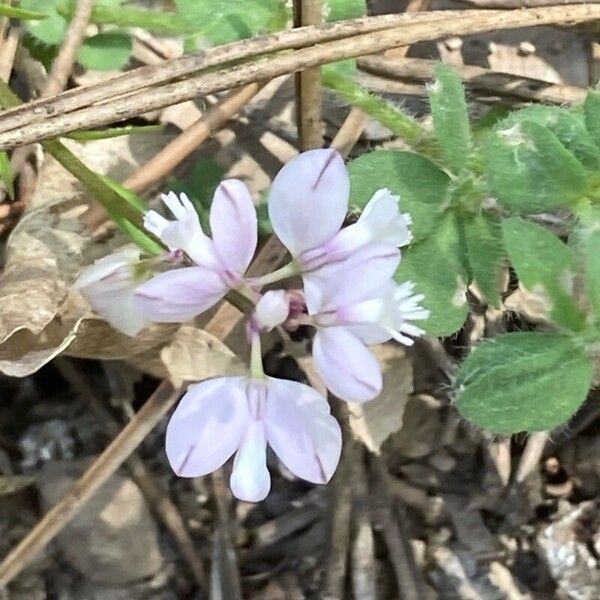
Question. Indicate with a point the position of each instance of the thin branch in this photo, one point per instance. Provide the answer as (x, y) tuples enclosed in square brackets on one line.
[(309, 90), (63, 64), (130, 437), (184, 66), (454, 22), (160, 502), (478, 78), (163, 163)]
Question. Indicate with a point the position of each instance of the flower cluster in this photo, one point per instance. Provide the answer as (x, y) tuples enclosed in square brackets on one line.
[(349, 296)]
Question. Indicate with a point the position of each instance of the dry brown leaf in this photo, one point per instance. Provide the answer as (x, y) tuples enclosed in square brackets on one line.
[(43, 255), (195, 354), (373, 422)]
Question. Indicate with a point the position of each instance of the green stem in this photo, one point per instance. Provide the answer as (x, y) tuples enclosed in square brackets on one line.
[(395, 119), (284, 272), (256, 364)]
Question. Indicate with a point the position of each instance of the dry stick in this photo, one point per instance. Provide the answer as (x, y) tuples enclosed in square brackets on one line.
[(309, 89), (63, 64), (184, 66), (130, 437), (158, 499), (134, 433), (534, 449), (175, 152), (478, 78), (408, 576), (271, 67)]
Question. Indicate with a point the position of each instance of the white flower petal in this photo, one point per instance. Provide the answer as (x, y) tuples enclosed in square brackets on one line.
[(207, 426), (234, 225), (272, 309), (250, 479), (346, 365), (301, 430), (308, 199), (180, 295)]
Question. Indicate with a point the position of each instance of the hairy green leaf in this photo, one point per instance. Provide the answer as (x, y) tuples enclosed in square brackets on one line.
[(546, 267), (486, 254), (436, 266), (450, 117), (523, 382), (106, 51), (421, 185), (531, 171)]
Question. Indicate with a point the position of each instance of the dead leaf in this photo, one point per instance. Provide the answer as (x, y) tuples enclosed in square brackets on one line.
[(43, 255), (373, 422), (195, 354)]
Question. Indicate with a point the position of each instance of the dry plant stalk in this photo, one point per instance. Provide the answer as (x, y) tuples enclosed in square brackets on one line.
[(309, 90), (421, 28), (62, 65), (478, 78)]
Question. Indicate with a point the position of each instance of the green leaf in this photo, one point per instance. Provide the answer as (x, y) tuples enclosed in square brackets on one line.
[(531, 171), (6, 174), (436, 266), (338, 10), (486, 254), (223, 21), (50, 30), (523, 382), (450, 117), (88, 135), (591, 109), (13, 12), (106, 51), (592, 270), (567, 125), (546, 267), (420, 183)]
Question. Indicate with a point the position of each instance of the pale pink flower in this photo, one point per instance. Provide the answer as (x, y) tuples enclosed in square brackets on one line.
[(308, 202), (109, 285), (220, 261), (241, 415), (355, 305)]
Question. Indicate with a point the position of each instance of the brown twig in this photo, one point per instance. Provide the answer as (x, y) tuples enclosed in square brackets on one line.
[(163, 163), (226, 573), (130, 437), (309, 90), (458, 23), (162, 505), (478, 78), (408, 577), (63, 64), (167, 71)]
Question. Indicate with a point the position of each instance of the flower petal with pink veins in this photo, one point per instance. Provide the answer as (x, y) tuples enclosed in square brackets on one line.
[(207, 426), (233, 225), (308, 200), (301, 430), (347, 366), (179, 295)]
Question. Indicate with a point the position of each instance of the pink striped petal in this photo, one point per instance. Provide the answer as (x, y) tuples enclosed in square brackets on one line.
[(301, 430), (308, 200), (180, 295), (207, 426), (234, 225), (346, 365)]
